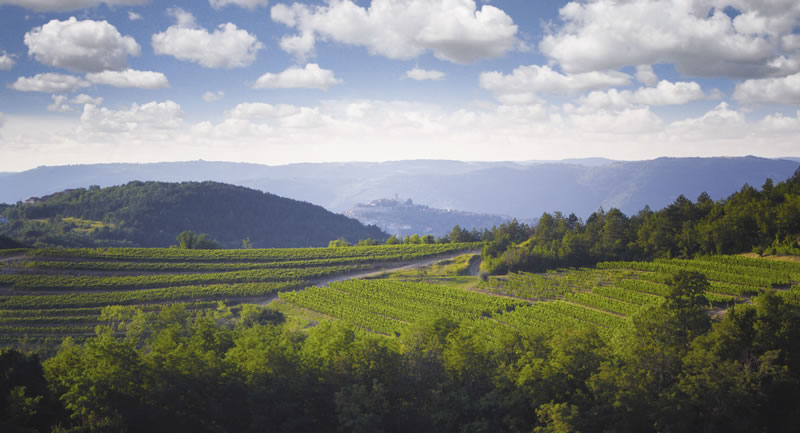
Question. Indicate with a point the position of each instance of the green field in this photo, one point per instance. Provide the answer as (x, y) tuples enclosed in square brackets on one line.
[(47, 294), (604, 297), (51, 293)]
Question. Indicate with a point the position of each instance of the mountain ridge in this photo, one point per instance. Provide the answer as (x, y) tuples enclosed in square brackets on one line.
[(518, 189)]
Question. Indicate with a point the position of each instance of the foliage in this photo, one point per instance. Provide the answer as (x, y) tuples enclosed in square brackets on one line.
[(766, 220), (213, 372), (188, 240), (152, 214)]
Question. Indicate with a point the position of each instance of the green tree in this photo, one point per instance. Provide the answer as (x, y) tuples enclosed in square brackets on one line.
[(338, 243), (191, 241)]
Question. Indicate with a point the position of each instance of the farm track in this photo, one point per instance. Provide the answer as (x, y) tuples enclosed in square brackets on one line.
[(392, 267)]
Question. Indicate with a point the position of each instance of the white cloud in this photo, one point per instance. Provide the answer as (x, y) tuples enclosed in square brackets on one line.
[(424, 74), (695, 35), (60, 104), (665, 93), (525, 82), (646, 75), (626, 121), (248, 4), (453, 30), (6, 61), (226, 47), (345, 130), (81, 46), (784, 90), (309, 77), (133, 16), (86, 99), (213, 96), (68, 5), (138, 118), (779, 123), (49, 83), (791, 42), (721, 122), (130, 78)]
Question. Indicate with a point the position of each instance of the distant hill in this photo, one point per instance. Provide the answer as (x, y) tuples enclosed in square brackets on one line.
[(404, 217), (522, 190), (152, 214)]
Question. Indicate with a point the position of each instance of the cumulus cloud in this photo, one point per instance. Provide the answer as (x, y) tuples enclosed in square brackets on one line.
[(152, 115), (213, 96), (226, 47), (80, 46), (784, 90), (309, 77), (49, 83), (86, 99), (424, 74), (248, 4), (133, 16), (646, 75), (453, 30), (721, 122), (665, 93), (626, 121), (695, 35), (60, 104), (68, 5), (341, 130), (525, 82), (6, 61), (130, 78)]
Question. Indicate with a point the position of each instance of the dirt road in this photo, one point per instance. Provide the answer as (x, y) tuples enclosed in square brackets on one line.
[(390, 267)]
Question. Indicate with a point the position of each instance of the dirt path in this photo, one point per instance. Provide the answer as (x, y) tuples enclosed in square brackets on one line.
[(389, 267), (12, 258)]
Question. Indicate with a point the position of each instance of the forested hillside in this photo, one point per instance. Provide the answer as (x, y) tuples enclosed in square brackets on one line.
[(152, 214), (760, 220), (519, 189)]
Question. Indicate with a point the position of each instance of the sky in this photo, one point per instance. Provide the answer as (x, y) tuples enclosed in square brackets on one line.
[(276, 82)]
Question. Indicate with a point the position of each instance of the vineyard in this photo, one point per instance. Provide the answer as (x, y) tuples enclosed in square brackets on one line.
[(603, 298), (47, 294)]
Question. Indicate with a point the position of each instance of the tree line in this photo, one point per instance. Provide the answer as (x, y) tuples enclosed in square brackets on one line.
[(763, 221), (672, 370)]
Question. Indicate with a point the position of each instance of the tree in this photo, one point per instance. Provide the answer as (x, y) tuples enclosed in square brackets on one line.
[(191, 241), (338, 243)]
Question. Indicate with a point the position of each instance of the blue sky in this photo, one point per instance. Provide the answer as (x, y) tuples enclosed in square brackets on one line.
[(276, 82)]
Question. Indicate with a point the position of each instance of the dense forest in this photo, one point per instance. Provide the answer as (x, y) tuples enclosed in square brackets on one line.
[(153, 214), (672, 370), (765, 220)]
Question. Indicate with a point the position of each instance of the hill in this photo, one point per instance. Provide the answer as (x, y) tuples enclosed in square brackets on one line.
[(404, 217), (522, 190), (152, 214)]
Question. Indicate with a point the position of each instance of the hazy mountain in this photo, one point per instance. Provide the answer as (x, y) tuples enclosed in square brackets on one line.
[(152, 214), (404, 217), (522, 190)]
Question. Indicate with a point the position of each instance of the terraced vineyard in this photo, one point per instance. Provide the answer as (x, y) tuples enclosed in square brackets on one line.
[(47, 294), (604, 297)]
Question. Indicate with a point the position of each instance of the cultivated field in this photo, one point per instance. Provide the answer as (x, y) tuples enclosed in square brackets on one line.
[(47, 294)]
